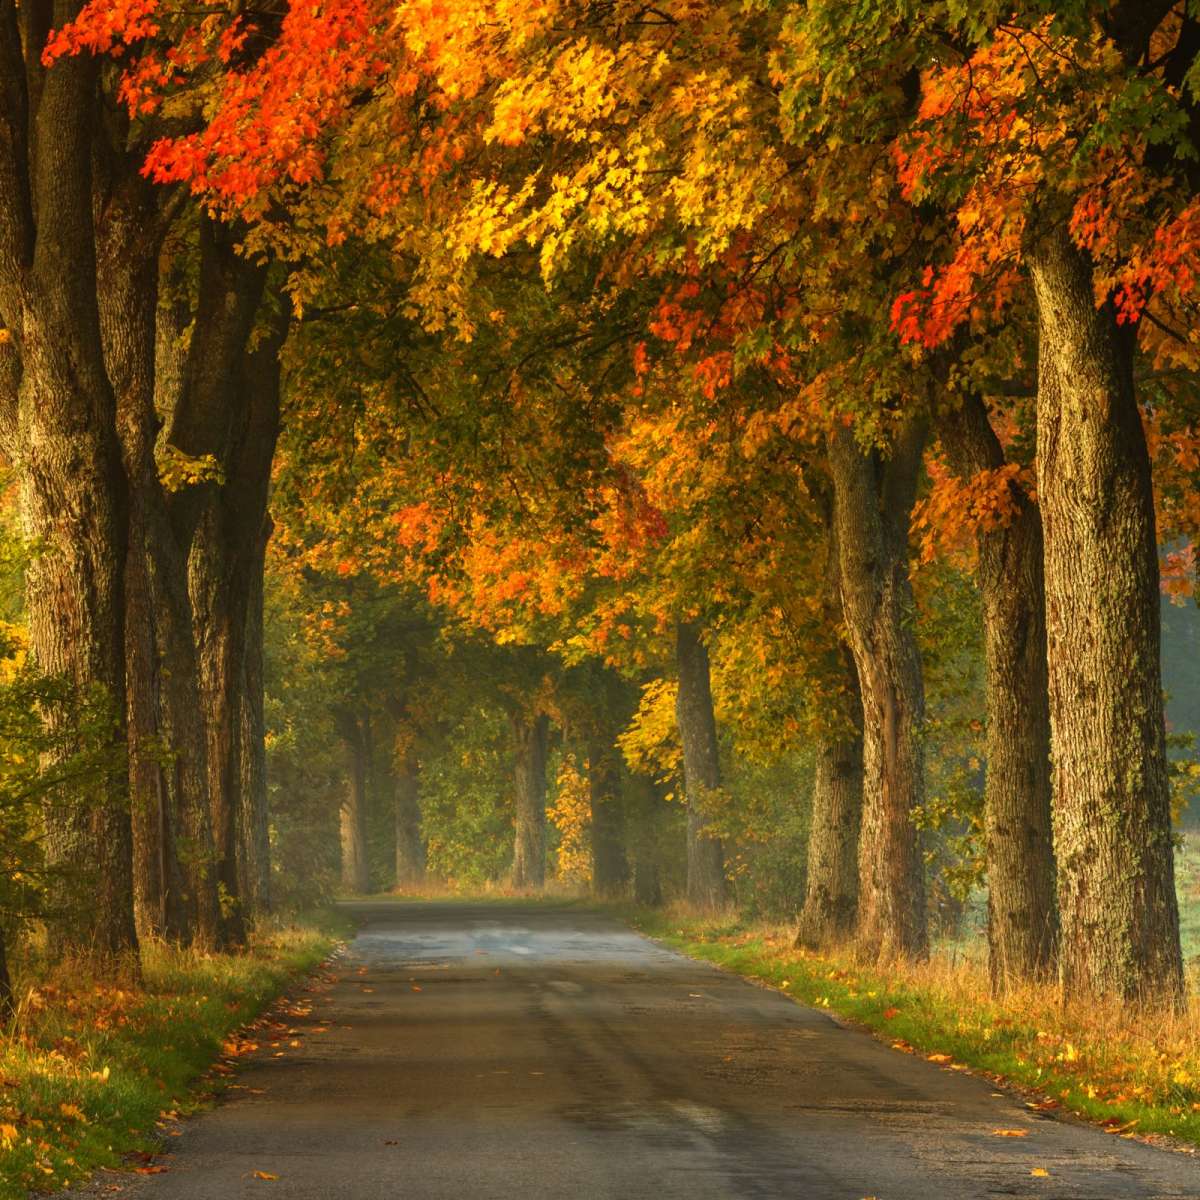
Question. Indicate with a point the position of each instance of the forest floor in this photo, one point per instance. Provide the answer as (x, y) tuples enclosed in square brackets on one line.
[(92, 1074), (467, 1049)]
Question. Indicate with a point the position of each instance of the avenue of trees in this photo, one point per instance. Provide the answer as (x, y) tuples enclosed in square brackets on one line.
[(759, 433)]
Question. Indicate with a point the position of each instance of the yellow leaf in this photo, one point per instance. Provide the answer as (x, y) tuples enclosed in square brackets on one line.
[(1040, 1172), (72, 1112), (264, 1175), (8, 1135), (1010, 1133)]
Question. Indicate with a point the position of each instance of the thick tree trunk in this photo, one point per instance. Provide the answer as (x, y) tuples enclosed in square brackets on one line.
[(1112, 823), (830, 906), (872, 503), (410, 845), (1022, 908), (610, 868), (355, 873), (72, 485), (529, 856), (706, 887)]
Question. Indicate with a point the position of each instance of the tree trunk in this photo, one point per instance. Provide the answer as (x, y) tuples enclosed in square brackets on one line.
[(830, 909), (152, 835), (173, 846), (355, 874), (644, 841), (872, 504), (230, 409), (831, 884), (255, 853), (610, 868), (72, 486), (410, 846), (1022, 910), (529, 857), (706, 888), (1112, 822)]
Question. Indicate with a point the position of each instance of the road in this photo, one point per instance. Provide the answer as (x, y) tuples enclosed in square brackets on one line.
[(495, 1051)]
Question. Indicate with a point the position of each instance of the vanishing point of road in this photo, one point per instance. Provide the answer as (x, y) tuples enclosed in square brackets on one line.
[(469, 1051)]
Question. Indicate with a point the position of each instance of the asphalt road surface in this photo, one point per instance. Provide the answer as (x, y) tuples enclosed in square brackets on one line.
[(495, 1051)]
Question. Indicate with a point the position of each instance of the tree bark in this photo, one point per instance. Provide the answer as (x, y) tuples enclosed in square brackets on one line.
[(529, 856), (355, 873), (72, 486), (255, 853), (610, 868), (229, 409), (410, 845), (831, 883), (873, 501), (173, 845), (1112, 823), (706, 888), (1022, 909)]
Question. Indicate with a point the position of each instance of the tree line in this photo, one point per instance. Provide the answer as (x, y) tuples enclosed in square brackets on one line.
[(692, 355)]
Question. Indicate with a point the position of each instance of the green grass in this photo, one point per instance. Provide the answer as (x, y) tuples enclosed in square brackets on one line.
[(1132, 1072), (90, 1071)]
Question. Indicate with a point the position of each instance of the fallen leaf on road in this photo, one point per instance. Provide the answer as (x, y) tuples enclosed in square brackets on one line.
[(264, 1175), (1040, 1172), (1010, 1133), (1119, 1128), (157, 1169), (415, 988)]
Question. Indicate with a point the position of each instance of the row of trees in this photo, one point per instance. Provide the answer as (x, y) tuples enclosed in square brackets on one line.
[(640, 340)]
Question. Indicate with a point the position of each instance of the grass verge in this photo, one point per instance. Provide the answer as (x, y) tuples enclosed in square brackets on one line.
[(1133, 1073), (90, 1070)]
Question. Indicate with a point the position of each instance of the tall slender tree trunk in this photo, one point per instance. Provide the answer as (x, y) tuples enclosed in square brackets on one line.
[(873, 500), (255, 853), (173, 846), (830, 907), (152, 834), (1022, 907), (229, 409), (706, 887), (610, 867), (1112, 822), (355, 872), (529, 857), (410, 845)]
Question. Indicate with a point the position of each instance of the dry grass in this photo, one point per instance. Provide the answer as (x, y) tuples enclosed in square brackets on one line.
[(88, 1070)]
